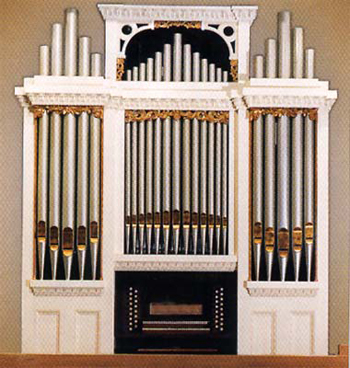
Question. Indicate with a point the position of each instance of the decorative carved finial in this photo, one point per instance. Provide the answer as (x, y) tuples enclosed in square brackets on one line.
[(120, 69)]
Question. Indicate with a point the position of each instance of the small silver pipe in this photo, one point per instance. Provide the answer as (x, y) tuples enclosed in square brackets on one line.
[(212, 72), (44, 56), (298, 52), (196, 67), (134, 188), (128, 190), (195, 179), (310, 63), (225, 76), (167, 62), (150, 68), (211, 180), (204, 70), (128, 75), (158, 67), (157, 185), (259, 66), (84, 56), (203, 181), (142, 75), (135, 73), (177, 55), (218, 74), (187, 63), (271, 58), (166, 164), (96, 64), (224, 177)]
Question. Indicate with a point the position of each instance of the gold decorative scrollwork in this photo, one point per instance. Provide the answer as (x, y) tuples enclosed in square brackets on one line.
[(234, 69), (170, 23), (38, 110), (120, 69), (210, 116), (292, 112)]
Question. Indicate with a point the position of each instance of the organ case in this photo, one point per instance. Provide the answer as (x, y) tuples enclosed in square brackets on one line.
[(195, 167)]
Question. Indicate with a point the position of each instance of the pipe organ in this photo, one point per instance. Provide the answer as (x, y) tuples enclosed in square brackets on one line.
[(196, 174)]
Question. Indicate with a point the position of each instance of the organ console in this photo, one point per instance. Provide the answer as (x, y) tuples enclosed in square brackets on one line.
[(204, 182)]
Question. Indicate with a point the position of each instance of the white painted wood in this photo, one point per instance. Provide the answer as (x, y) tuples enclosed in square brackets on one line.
[(47, 332), (87, 332)]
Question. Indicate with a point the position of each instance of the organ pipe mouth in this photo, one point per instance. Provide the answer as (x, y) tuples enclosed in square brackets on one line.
[(93, 230), (283, 242), (258, 233), (81, 237), (68, 241), (54, 236), (297, 238), (309, 233), (41, 234), (269, 239)]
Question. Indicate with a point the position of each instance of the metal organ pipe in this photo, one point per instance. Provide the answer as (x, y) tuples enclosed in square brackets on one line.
[(204, 70), (271, 58), (57, 49), (186, 184), (259, 66), (309, 63), (196, 67), (44, 55), (141, 192), (195, 179), (71, 41), (218, 177), (187, 63), (158, 67), (96, 64), (150, 68), (176, 182), (149, 185), (298, 52), (177, 57), (284, 44), (142, 72), (84, 56), (157, 126), (203, 184), (210, 188), (211, 72), (42, 191)]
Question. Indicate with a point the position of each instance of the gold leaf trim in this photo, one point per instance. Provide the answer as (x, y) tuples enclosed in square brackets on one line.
[(170, 23), (38, 110), (210, 116), (234, 69), (255, 113), (120, 69)]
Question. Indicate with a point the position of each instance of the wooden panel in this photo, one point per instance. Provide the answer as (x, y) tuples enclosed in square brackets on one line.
[(263, 325), (87, 332), (167, 309), (303, 333), (47, 332), (171, 361), (343, 350)]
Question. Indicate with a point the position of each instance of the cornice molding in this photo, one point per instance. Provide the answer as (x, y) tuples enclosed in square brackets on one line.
[(286, 101), (67, 98)]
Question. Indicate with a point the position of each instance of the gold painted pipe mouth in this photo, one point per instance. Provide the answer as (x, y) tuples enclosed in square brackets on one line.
[(68, 252), (54, 247)]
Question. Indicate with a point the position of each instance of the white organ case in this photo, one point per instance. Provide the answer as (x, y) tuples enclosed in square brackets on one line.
[(177, 160)]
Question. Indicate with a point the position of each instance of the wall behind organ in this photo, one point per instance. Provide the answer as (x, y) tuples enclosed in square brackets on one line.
[(27, 24)]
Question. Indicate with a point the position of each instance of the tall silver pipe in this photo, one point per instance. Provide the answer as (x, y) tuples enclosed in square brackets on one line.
[(96, 64), (224, 177), (71, 41), (82, 189), (166, 176), (44, 56), (176, 178), (284, 44), (269, 194), (135, 73), (204, 70), (297, 193), (203, 182), (42, 190), (196, 67), (57, 49), (150, 69), (95, 190), (195, 181), (309, 192), (68, 190), (186, 177), (187, 63), (158, 67), (149, 181), (283, 191), (157, 178), (309, 63), (225, 76), (128, 193), (134, 188), (257, 190), (55, 189), (212, 72), (271, 58), (141, 180), (177, 58), (218, 177), (84, 56), (259, 66), (211, 182), (298, 52)]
